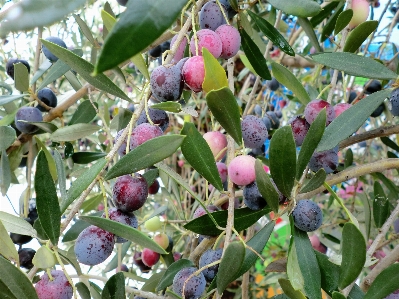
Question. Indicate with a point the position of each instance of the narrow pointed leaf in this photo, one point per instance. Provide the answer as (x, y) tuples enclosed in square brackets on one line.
[(7, 248), (353, 255), (82, 182), (59, 164), (10, 98), (355, 65), (138, 26), (75, 230), (359, 35), (108, 19), (7, 137), (15, 282), (85, 29), (307, 263), (247, 27), (5, 173), (266, 187), (367, 215), (95, 290), (49, 157), (230, 265), (324, 13), (198, 153), (310, 142), (46, 127), (338, 295), (285, 77), (380, 205), (225, 109), (44, 258), (152, 282), (254, 55), (47, 205), (17, 225), (167, 278), (58, 69), (234, 4), (293, 271), (32, 14), (257, 243), (168, 106), (151, 175), (385, 283), (139, 62), (115, 287), (283, 160), (350, 120), (146, 155), (348, 158), (300, 8), (330, 277), (73, 132), (215, 75), (388, 183), (243, 218), (308, 28), (42, 69), (329, 273), (343, 19), (328, 29), (87, 157), (388, 142), (315, 182), (21, 77), (124, 231), (272, 33), (83, 291), (85, 68), (84, 113), (289, 290)]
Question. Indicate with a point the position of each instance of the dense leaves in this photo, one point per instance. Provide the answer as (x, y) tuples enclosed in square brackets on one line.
[(106, 65)]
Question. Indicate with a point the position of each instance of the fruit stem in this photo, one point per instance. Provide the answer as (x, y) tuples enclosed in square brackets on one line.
[(101, 182), (65, 272), (248, 247), (194, 30), (119, 251), (216, 245), (323, 91), (223, 12), (49, 274), (29, 178)]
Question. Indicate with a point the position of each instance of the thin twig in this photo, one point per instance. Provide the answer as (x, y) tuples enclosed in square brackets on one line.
[(109, 157), (380, 132), (201, 248), (267, 51), (183, 32), (37, 55), (344, 35), (353, 172), (388, 260)]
